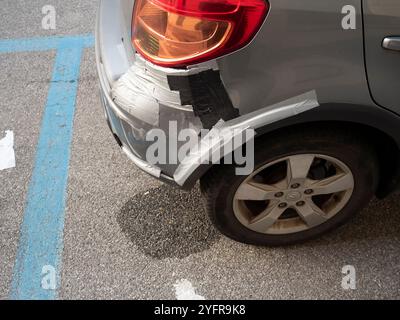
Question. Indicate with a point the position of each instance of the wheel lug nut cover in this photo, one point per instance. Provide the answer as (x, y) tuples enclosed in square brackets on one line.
[(295, 186), (308, 191), (300, 203), (279, 194), (282, 205)]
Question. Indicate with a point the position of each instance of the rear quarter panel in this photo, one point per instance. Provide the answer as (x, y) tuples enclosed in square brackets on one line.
[(302, 46)]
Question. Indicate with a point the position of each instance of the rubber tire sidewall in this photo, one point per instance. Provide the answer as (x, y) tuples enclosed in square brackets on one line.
[(223, 183)]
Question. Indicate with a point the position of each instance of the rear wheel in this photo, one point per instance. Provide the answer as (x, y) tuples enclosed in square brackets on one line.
[(303, 185)]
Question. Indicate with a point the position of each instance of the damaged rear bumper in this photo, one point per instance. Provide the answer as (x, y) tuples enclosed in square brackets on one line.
[(134, 94), (138, 96), (142, 100), (128, 130)]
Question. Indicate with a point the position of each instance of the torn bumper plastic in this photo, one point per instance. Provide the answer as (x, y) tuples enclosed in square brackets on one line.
[(128, 130), (130, 124), (138, 102)]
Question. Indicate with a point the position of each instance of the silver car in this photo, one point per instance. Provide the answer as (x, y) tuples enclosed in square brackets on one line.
[(306, 91)]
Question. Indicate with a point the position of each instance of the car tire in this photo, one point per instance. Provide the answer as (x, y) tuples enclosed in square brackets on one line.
[(221, 184)]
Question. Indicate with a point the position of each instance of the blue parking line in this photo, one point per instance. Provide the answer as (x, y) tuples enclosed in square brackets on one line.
[(41, 235), (45, 43)]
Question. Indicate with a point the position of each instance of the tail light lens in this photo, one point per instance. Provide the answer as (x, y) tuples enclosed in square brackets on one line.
[(181, 32)]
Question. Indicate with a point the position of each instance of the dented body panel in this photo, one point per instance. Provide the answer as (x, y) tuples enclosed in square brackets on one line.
[(300, 60)]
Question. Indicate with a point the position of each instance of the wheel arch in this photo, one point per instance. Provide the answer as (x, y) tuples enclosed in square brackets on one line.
[(378, 126)]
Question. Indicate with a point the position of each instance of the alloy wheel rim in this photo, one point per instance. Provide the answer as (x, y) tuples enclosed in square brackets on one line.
[(293, 194)]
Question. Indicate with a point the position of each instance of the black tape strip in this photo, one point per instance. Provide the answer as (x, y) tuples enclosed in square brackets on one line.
[(207, 94)]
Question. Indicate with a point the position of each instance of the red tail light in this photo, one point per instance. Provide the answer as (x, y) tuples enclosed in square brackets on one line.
[(183, 32)]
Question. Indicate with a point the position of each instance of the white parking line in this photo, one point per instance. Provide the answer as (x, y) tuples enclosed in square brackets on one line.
[(7, 155), (184, 290)]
